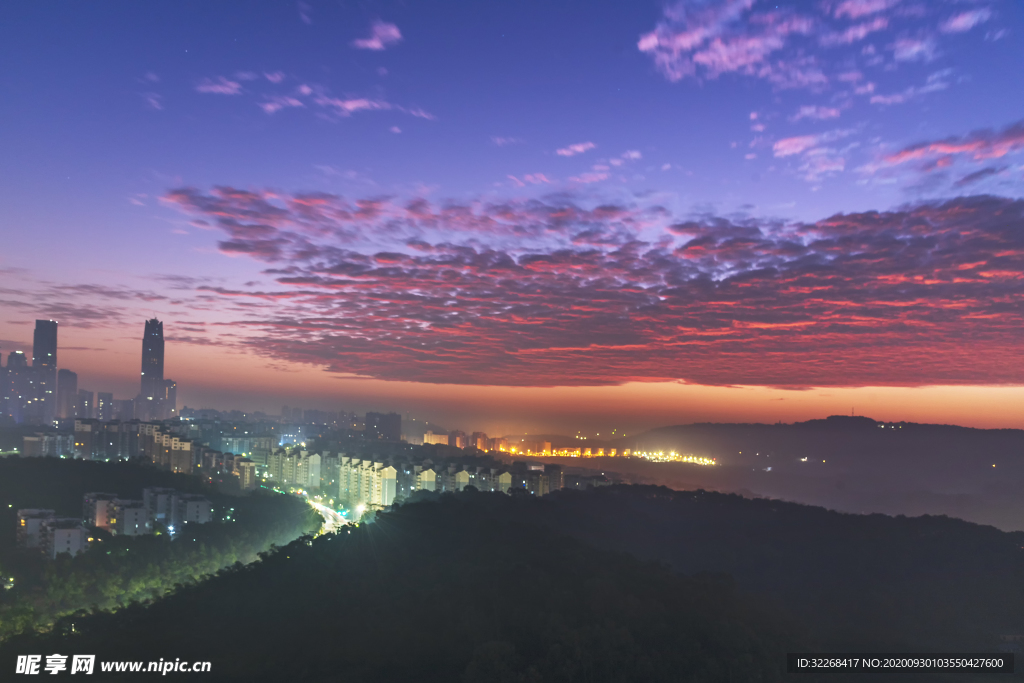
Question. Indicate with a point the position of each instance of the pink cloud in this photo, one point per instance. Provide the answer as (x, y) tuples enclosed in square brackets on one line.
[(530, 179), (936, 82), (965, 21), (220, 86), (914, 49), (855, 9), (802, 72), (795, 145), (720, 38), (276, 104), (590, 177), (347, 107), (382, 35), (855, 33), (817, 113), (274, 76), (896, 98), (979, 146), (821, 162), (573, 150), (419, 113), (637, 293)]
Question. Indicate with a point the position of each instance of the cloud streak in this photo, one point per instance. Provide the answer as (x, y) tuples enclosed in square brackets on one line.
[(573, 150), (219, 86), (980, 145), (382, 36), (965, 21)]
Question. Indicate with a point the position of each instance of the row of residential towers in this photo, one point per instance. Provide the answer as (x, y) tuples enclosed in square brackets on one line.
[(39, 393)]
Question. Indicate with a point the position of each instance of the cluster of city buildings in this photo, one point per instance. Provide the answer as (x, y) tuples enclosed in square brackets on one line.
[(159, 508), (356, 482), (377, 481), (38, 393), (53, 535), (481, 442)]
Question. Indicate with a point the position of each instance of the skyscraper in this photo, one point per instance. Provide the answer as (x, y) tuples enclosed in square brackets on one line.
[(44, 369), (86, 408), (104, 406), (153, 360), (170, 399), (44, 344), (19, 386), (67, 393), (5, 392)]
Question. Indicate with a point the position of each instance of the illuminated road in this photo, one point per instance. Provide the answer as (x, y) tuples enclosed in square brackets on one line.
[(332, 520)]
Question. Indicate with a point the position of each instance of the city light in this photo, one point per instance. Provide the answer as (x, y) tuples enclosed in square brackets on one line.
[(653, 456)]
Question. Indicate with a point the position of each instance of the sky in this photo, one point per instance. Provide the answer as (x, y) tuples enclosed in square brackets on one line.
[(525, 216)]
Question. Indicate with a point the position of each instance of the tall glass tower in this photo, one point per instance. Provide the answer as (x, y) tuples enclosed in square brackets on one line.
[(153, 361), (43, 402), (44, 344)]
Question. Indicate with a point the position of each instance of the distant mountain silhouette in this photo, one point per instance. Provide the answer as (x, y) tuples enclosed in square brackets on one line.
[(848, 463)]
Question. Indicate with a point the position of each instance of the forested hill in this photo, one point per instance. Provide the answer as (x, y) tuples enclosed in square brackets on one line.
[(455, 591), (856, 440), (489, 587), (855, 581), (119, 570), (853, 464)]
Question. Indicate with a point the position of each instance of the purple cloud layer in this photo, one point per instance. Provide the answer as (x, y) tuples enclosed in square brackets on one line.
[(794, 45), (558, 291)]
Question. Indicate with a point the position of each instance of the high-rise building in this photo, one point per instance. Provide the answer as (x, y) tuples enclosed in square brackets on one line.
[(153, 388), (386, 426), (431, 437), (44, 344), (18, 387), (86, 404), (64, 535), (98, 509), (246, 474), (5, 392), (170, 399), (104, 406), (44, 369), (67, 393)]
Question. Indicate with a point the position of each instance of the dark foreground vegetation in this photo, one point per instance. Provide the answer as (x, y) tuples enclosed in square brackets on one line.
[(487, 587), (117, 571)]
